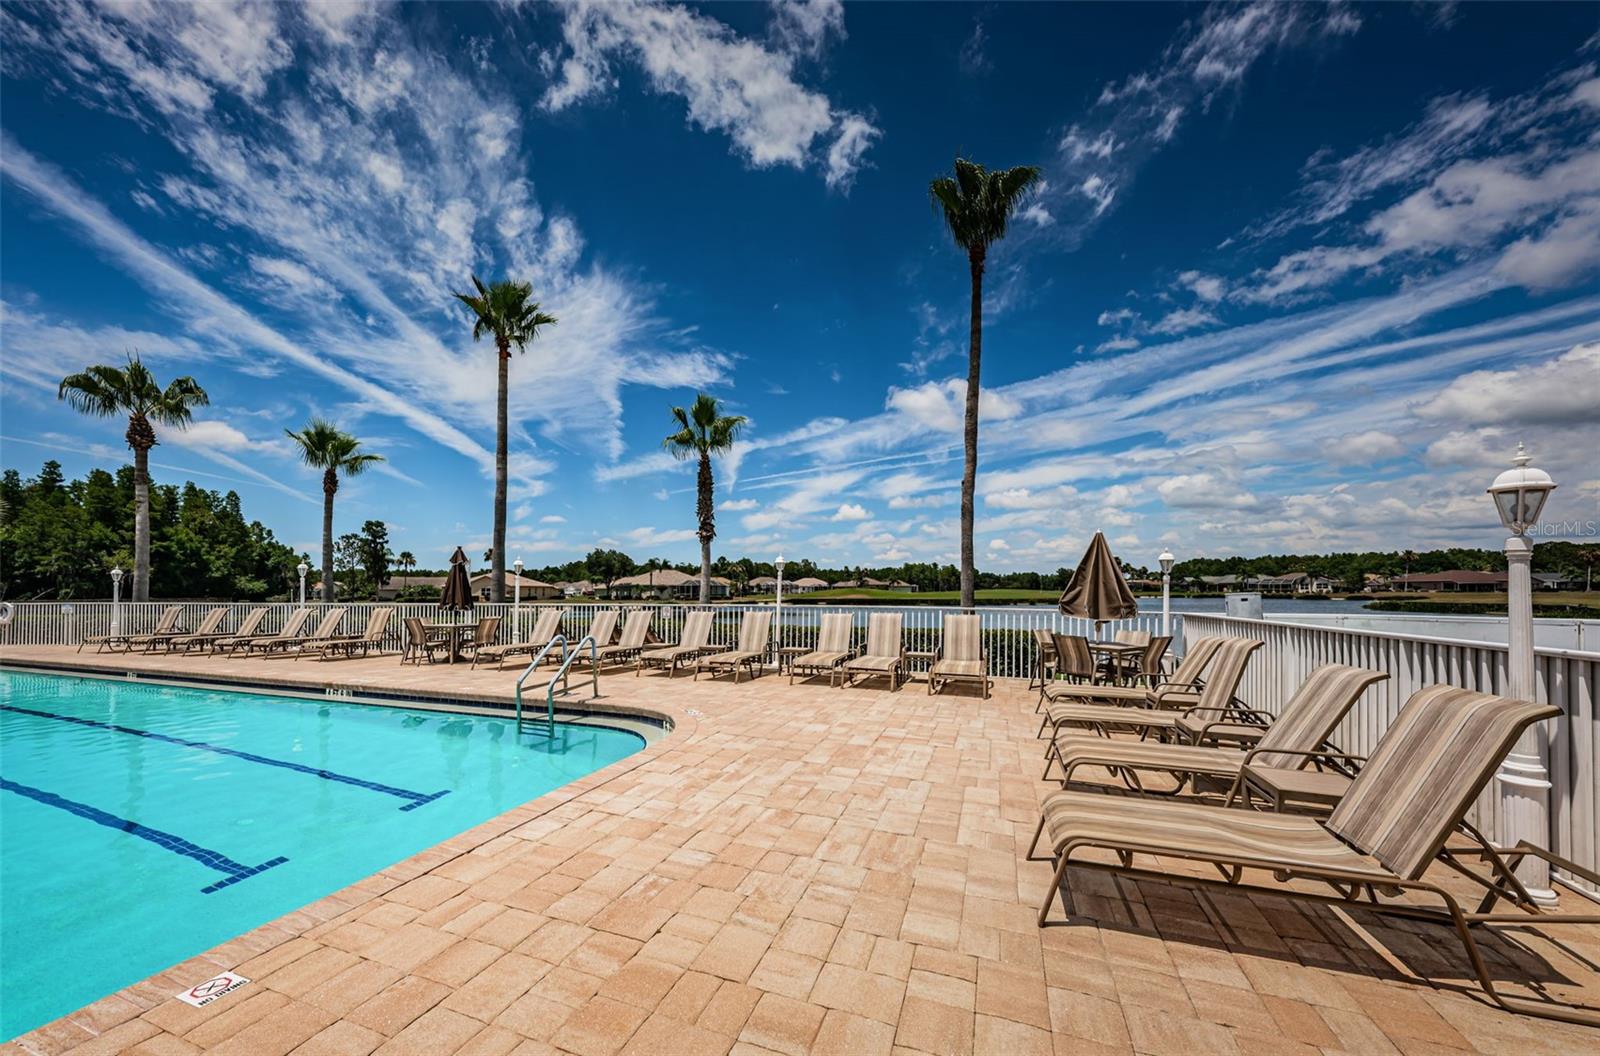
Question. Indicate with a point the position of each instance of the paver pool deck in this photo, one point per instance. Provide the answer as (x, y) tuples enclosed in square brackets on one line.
[(803, 869)]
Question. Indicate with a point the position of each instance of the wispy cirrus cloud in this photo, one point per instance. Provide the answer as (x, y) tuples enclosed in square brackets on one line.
[(1098, 157), (376, 181), (731, 84)]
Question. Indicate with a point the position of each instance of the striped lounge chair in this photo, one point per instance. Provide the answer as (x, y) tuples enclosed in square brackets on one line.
[(286, 641), (1181, 690), (1216, 697), (1372, 852), (347, 644), (692, 645), (208, 627), (247, 627), (750, 654), (291, 628), (960, 656), (833, 649), (1293, 741), (634, 631), (545, 629), (885, 654), (164, 626)]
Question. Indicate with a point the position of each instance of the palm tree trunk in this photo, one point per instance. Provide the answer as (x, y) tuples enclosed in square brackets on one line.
[(708, 529), (969, 472), (141, 523), (497, 562), (330, 484)]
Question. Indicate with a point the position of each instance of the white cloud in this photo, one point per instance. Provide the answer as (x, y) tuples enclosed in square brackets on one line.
[(552, 518), (1370, 445), (1204, 491), (730, 84), (941, 406), (1098, 158), (1182, 320), (850, 511), (1564, 390), (737, 505), (1208, 288)]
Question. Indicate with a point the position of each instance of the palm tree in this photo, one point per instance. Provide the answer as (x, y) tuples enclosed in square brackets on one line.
[(106, 392), (1407, 556), (407, 561), (504, 311), (977, 205), (1588, 557), (324, 447), (703, 432)]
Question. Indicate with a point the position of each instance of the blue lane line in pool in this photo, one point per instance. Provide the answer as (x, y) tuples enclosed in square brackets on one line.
[(414, 799), (233, 871)]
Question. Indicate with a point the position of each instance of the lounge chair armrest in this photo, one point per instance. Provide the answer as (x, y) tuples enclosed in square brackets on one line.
[(1342, 757)]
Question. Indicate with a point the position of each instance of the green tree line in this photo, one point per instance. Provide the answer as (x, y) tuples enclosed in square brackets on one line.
[(59, 539)]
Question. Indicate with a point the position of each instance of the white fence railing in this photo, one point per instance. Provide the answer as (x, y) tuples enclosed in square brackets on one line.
[(1567, 679), (1008, 632)]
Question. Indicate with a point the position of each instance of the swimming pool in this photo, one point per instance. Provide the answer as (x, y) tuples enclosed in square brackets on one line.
[(145, 823)]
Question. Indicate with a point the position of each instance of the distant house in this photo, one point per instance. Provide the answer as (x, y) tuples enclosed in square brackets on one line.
[(578, 588), (1457, 579), (868, 583), (669, 583), (766, 584), (1297, 583), (396, 584), (902, 587), (532, 589), (1555, 581), (806, 584), (1227, 582)]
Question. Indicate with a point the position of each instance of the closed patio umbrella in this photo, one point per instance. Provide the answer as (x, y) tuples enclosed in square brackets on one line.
[(1097, 590), (457, 593)]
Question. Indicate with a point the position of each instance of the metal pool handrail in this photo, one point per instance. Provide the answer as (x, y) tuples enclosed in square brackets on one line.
[(561, 675), (534, 663)]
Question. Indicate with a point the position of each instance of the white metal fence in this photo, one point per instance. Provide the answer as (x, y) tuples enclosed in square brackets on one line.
[(1568, 679), (1008, 632)]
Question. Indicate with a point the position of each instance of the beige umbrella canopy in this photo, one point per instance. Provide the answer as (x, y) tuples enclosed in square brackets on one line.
[(1097, 590), (457, 593)]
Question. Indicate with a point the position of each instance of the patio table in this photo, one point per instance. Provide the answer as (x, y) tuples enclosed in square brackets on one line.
[(455, 634)]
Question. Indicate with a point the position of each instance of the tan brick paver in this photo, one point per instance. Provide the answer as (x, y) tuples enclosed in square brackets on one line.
[(799, 870)]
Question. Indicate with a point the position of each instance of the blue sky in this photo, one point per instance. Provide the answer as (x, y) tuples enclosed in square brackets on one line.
[(1298, 278)]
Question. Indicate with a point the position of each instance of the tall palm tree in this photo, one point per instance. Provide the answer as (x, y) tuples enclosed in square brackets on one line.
[(323, 446), (1588, 557), (977, 205), (1407, 556), (504, 312), (702, 432), (407, 561), (106, 392)]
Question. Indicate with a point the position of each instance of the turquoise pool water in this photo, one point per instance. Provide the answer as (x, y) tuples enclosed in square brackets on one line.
[(142, 824)]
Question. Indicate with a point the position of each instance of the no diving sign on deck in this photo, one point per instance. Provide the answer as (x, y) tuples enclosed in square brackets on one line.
[(204, 993)]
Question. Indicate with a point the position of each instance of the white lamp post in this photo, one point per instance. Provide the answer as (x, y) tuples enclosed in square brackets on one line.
[(777, 609), (516, 598), (1166, 560), (116, 599), (302, 568), (1519, 495)]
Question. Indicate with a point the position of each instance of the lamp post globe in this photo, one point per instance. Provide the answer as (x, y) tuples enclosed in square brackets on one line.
[(1166, 559), (1519, 495), (302, 568)]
